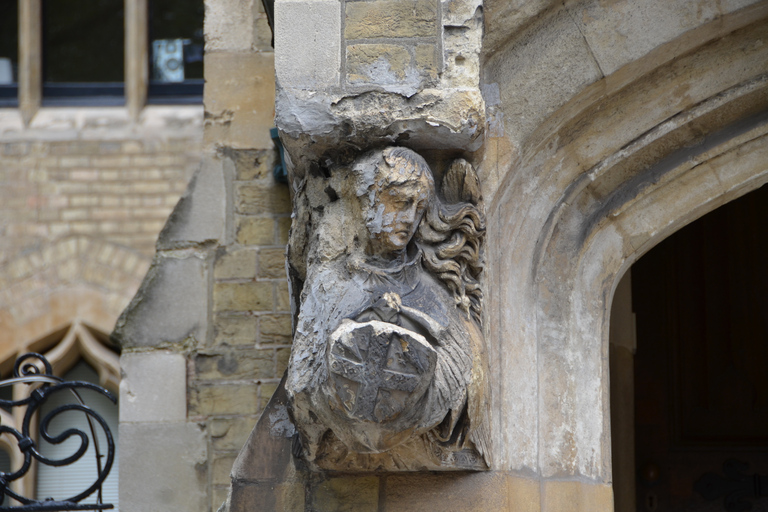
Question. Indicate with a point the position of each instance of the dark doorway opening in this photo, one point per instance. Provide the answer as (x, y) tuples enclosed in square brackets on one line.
[(699, 375)]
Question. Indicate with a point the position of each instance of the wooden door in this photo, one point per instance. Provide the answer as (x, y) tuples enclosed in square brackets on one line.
[(701, 366)]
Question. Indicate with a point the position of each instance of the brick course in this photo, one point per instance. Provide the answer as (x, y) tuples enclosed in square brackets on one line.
[(119, 191)]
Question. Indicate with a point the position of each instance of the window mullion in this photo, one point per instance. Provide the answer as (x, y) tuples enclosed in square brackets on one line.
[(30, 58), (136, 56)]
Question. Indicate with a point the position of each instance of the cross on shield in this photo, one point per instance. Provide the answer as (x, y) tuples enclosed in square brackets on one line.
[(379, 369)]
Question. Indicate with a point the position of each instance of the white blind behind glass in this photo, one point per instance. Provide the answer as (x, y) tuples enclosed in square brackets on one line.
[(66, 481)]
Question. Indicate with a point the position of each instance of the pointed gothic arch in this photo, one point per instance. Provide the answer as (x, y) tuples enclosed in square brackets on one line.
[(63, 348), (612, 179)]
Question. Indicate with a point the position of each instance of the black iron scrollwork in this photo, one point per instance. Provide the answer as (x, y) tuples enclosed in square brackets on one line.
[(735, 487), (33, 369)]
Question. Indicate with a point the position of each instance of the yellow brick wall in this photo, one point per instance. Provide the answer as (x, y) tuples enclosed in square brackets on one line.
[(120, 191), (239, 368), (78, 224)]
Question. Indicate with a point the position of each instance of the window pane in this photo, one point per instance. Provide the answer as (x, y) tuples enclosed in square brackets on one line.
[(67, 481), (9, 53), (176, 40), (83, 40), (5, 461)]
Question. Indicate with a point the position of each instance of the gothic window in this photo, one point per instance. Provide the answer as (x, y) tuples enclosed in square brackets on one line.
[(76, 352)]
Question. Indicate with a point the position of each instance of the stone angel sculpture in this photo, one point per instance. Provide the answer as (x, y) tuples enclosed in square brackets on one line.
[(388, 370)]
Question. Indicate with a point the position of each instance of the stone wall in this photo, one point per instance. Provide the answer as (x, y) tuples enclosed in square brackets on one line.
[(83, 195), (238, 370), (209, 331), (116, 190), (600, 130), (206, 338)]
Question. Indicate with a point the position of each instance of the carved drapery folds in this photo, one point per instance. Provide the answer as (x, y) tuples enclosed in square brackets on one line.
[(387, 370)]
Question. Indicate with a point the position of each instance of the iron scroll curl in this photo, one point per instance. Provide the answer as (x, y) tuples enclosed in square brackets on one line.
[(33, 368)]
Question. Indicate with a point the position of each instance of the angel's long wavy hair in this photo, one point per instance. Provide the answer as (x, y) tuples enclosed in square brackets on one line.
[(450, 235)]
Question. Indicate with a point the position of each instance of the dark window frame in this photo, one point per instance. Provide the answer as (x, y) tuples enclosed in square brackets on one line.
[(58, 94)]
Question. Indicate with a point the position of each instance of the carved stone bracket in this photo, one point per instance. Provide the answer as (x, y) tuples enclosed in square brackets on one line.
[(388, 364)]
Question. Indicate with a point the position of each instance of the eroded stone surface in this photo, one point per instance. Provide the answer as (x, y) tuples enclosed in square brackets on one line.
[(387, 369), (393, 71)]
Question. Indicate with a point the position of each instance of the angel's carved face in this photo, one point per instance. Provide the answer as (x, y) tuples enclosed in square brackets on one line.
[(403, 208), (395, 215)]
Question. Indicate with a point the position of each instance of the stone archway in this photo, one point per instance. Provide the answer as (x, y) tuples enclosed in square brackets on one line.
[(598, 184)]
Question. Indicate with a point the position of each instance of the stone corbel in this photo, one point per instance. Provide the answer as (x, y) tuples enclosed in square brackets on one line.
[(388, 368), (379, 119)]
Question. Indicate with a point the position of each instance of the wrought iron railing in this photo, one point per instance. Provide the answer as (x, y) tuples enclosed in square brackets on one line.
[(34, 370)]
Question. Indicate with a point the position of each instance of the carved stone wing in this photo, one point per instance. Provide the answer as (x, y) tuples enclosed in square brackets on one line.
[(460, 184)]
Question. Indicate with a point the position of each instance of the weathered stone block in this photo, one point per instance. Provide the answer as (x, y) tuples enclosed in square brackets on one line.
[(391, 18), (222, 465), (230, 433), (275, 324), (308, 39), (214, 399), (282, 356), (228, 25), (170, 306), (626, 31), (266, 456), (524, 494), (153, 387), (243, 364), (251, 296), (471, 492), (262, 34), (283, 297), (541, 72), (261, 198), (576, 496), (236, 330), (378, 64), (163, 467), (266, 391), (268, 496), (255, 230), (253, 164), (272, 263), (220, 495), (425, 58), (283, 229), (347, 494), (239, 99), (235, 264), (200, 214)]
